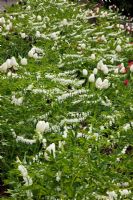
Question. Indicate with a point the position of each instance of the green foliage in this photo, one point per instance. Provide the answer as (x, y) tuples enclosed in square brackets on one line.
[(90, 128)]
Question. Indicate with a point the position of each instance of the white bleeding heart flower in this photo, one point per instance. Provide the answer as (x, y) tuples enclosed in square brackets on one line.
[(105, 84), (112, 195), (9, 64), (35, 53), (99, 83), (125, 192), (95, 71), (23, 35), (31, 53), (85, 72), (102, 84), (91, 78), (24, 61), (118, 48), (4, 67), (100, 64), (105, 69), (42, 126), (2, 21), (14, 62)]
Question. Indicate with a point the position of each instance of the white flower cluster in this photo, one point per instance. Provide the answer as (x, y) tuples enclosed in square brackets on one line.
[(42, 126), (9, 64), (112, 195), (6, 25), (102, 84), (101, 66), (36, 53)]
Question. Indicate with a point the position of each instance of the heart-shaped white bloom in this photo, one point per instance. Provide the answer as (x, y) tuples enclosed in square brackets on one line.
[(23, 35), (42, 126), (124, 192), (2, 20), (102, 84), (99, 83), (14, 62), (23, 61), (118, 48), (95, 70), (100, 64), (85, 72), (105, 84), (112, 195), (9, 64), (4, 67), (91, 78), (105, 69), (31, 53)]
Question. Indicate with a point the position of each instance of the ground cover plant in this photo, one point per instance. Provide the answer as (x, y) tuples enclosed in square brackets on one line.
[(66, 102)]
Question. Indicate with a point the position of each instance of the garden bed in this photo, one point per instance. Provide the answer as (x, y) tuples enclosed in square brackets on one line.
[(66, 76)]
